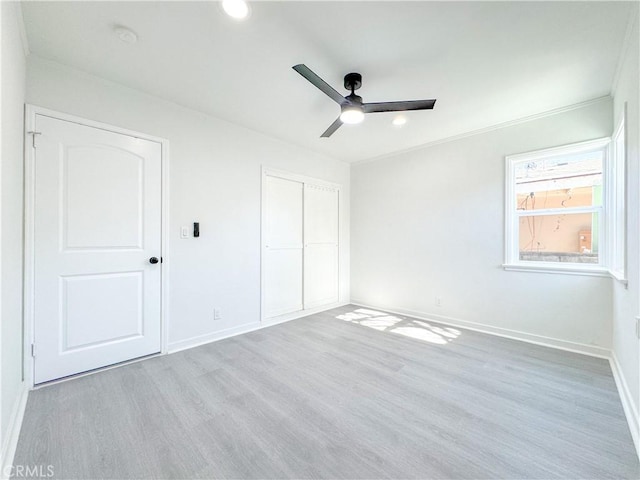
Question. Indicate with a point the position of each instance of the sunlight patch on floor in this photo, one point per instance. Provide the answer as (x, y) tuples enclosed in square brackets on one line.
[(416, 329), (380, 323), (420, 334)]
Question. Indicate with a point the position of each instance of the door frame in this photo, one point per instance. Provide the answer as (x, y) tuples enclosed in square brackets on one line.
[(304, 179), (29, 228)]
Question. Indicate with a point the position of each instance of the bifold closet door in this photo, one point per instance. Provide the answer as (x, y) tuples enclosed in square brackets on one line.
[(320, 245), (283, 247)]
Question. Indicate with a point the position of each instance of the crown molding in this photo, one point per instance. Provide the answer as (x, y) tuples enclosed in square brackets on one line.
[(624, 48), (23, 30), (491, 128)]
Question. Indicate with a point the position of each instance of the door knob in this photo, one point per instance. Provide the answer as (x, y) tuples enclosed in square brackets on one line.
[(153, 260)]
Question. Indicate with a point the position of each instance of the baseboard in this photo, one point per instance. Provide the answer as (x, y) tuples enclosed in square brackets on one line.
[(250, 327), (591, 350), (10, 443), (302, 313), (211, 337), (628, 405)]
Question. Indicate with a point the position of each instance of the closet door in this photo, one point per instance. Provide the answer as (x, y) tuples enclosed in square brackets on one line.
[(321, 245), (283, 247)]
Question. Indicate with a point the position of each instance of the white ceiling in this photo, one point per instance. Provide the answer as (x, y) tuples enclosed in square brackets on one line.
[(485, 62)]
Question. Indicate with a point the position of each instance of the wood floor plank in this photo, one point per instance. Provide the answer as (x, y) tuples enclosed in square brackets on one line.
[(347, 393)]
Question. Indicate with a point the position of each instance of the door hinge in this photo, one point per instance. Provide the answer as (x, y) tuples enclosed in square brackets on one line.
[(33, 349), (33, 137)]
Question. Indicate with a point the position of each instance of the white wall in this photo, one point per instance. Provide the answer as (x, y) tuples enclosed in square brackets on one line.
[(430, 222), (215, 179), (625, 301), (12, 95)]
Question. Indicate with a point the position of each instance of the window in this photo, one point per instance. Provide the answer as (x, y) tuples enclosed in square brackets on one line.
[(555, 209)]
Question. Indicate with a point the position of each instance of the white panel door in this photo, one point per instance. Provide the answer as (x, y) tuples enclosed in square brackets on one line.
[(282, 246), (320, 245), (97, 224)]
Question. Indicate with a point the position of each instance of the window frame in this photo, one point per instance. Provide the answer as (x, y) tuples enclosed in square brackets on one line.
[(617, 199), (512, 215)]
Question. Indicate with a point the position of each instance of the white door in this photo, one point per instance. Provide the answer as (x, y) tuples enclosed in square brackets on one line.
[(97, 224), (282, 246), (320, 245)]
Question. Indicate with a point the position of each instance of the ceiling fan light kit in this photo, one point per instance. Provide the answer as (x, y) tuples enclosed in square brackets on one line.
[(352, 108), (351, 114)]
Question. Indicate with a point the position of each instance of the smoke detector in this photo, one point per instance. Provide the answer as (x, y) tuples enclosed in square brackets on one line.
[(126, 35)]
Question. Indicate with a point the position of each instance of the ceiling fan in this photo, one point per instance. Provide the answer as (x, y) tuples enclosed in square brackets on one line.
[(352, 108)]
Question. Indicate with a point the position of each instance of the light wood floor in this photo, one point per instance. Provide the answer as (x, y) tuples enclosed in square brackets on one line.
[(342, 394)]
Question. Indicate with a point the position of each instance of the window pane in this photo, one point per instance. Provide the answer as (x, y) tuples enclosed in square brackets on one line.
[(565, 238), (559, 182)]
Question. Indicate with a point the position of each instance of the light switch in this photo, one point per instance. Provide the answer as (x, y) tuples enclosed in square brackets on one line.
[(184, 232)]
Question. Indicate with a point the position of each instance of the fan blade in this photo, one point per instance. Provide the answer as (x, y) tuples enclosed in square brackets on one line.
[(398, 106), (332, 128), (307, 73)]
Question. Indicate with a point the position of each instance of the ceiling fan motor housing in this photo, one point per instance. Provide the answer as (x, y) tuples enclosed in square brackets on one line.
[(352, 81), (354, 99)]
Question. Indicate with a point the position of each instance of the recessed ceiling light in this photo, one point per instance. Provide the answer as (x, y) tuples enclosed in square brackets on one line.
[(237, 9), (126, 35), (399, 120)]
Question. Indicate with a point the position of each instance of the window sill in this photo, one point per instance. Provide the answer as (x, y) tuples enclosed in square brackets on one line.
[(619, 277), (567, 270), (595, 271)]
